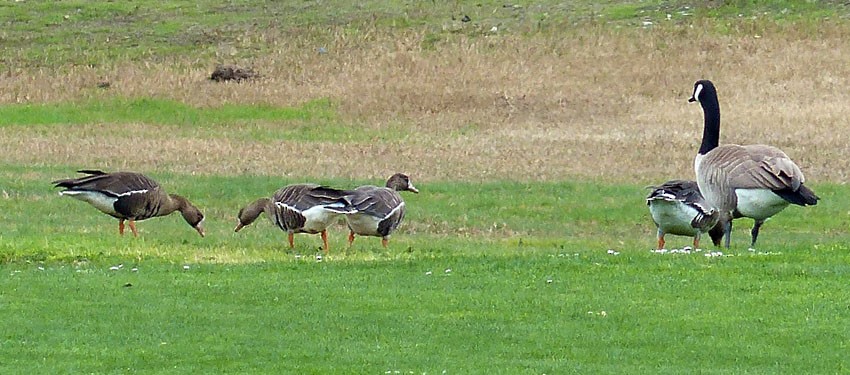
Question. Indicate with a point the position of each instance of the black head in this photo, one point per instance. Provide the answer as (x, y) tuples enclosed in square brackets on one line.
[(703, 89)]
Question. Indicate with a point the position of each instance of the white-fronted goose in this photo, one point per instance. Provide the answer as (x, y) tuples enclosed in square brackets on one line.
[(755, 181), (677, 207), (379, 210), (129, 196), (300, 208)]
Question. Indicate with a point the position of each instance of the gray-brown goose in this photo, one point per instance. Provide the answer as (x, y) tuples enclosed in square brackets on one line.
[(755, 181), (299, 208), (677, 207), (379, 210), (129, 196)]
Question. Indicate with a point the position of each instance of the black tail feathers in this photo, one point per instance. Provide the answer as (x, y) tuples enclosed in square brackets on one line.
[(802, 197)]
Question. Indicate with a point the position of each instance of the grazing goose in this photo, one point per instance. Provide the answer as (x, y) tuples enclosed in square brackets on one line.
[(755, 181), (379, 210), (677, 207), (300, 208), (129, 196)]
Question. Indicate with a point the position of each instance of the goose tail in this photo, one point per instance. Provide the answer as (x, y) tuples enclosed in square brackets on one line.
[(802, 197)]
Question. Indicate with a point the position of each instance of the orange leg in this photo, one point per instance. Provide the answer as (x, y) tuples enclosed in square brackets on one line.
[(384, 242), (325, 241), (121, 227), (350, 237), (291, 240), (696, 242), (661, 242), (133, 228)]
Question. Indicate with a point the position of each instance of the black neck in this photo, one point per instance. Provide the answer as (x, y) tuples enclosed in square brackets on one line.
[(711, 130)]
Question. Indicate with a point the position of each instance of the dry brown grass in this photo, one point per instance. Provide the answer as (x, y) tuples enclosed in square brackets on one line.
[(600, 103)]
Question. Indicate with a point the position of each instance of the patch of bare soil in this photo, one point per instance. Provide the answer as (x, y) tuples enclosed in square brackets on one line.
[(224, 73)]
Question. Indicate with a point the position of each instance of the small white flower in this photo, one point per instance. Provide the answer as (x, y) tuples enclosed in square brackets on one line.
[(186, 267), (134, 269), (448, 270), (114, 268), (428, 273)]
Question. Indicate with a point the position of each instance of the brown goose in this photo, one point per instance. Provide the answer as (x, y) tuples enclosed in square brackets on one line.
[(678, 207), (129, 196), (299, 208), (755, 181), (379, 210)]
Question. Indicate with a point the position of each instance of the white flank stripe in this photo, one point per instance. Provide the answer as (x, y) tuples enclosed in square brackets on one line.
[(133, 192), (286, 206), (394, 210)]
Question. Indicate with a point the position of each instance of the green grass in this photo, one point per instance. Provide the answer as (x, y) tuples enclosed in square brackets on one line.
[(494, 313), (498, 277), (248, 304), (315, 120), (157, 111)]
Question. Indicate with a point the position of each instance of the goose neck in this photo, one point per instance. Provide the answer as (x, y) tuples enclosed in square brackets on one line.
[(711, 129)]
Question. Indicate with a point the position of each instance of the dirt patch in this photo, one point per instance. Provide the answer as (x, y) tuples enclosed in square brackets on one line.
[(224, 73)]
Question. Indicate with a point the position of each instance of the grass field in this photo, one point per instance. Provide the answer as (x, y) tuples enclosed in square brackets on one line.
[(531, 131)]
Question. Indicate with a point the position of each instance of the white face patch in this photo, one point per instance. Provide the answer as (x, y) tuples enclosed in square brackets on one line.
[(697, 91)]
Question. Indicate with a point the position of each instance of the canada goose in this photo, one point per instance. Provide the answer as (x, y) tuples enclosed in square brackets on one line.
[(677, 207), (379, 210), (755, 181), (299, 208), (129, 196)]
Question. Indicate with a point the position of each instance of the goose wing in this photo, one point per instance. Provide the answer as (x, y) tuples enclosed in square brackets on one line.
[(376, 201), (116, 184), (684, 191), (757, 167), (302, 197)]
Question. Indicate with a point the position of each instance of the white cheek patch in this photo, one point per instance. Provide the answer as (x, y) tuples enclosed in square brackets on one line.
[(697, 91)]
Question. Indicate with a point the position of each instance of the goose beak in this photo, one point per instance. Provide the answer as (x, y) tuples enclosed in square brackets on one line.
[(413, 189), (692, 99), (238, 227), (200, 230)]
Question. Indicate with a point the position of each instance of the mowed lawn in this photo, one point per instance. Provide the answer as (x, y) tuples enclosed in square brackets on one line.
[(568, 285), (531, 132)]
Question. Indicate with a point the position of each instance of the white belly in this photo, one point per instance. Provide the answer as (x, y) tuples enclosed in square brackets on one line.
[(759, 204), (102, 202), (363, 224), (318, 219), (673, 217)]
